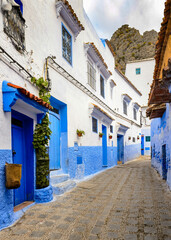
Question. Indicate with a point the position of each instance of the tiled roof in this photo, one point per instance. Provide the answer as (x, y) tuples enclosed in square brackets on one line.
[(97, 52), (128, 81), (156, 110), (161, 44), (31, 96), (101, 110), (110, 47), (66, 3)]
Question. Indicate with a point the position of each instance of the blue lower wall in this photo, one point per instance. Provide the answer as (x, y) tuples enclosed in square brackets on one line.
[(132, 151), (6, 195), (91, 160), (160, 135)]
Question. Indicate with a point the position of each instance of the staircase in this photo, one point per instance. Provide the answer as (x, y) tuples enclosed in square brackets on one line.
[(61, 182)]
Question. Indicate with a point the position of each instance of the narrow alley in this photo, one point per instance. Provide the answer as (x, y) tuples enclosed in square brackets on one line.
[(129, 201)]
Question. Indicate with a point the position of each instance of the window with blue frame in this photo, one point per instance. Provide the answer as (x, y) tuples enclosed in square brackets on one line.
[(111, 128), (138, 71), (102, 92), (94, 125), (66, 45)]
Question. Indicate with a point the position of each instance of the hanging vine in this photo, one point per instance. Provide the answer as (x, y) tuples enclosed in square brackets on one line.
[(41, 137)]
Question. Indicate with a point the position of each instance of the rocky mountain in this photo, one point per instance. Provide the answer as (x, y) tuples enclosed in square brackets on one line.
[(130, 45)]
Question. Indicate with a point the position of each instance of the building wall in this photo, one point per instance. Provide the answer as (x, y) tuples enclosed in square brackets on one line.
[(167, 55), (143, 80), (160, 135)]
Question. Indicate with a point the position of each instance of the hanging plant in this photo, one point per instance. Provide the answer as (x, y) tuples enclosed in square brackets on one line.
[(80, 133), (41, 137), (110, 136), (101, 134)]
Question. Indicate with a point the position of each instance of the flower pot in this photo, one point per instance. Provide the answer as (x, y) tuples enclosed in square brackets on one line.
[(79, 134), (110, 137)]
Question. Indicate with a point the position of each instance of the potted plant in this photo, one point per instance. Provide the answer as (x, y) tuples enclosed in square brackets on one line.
[(129, 138), (101, 134), (110, 136), (138, 137), (80, 133)]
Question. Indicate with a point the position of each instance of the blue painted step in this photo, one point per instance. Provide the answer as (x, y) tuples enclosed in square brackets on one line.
[(55, 179), (63, 187)]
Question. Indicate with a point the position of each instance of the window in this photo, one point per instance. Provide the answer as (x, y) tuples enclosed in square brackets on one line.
[(102, 86), (91, 75), (138, 71), (112, 84), (66, 45), (14, 26), (135, 113), (111, 128), (133, 139), (147, 138), (124, 107), (94, 125)]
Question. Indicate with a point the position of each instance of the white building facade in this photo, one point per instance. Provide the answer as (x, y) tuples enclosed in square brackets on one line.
[(141, 74), (56, 39)]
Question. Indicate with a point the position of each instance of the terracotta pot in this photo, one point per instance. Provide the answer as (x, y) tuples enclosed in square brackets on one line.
[(79, 134), (110, 137)]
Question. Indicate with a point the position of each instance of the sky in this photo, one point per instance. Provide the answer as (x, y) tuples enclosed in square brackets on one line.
[(108, 15)]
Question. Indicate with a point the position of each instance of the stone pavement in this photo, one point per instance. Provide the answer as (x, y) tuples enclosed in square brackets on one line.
[(126, 202)]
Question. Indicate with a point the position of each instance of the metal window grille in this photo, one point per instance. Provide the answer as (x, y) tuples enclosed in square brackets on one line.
[(91, 72), (66, 45), (94, 124), (124, 107), (135, 113), (101, 86), (14, 27)]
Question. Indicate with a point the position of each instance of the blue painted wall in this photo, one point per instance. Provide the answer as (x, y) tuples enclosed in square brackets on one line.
[(132, 151), (160, 135), (92, 160), (6, 195)]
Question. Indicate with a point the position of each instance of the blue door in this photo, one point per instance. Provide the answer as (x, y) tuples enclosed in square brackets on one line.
[(120, 148), (164, 167), (104, 145), (142, 144), (19, 158), (54, 147)]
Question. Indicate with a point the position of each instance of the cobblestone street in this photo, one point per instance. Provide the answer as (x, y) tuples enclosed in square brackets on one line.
[(126, 202)]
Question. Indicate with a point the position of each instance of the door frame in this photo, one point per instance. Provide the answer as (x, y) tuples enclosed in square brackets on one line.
[(29, 164)]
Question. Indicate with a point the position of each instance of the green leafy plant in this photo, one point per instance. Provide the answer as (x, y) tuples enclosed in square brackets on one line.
[(41, 137), (42, 84), (80, 133), (101, 134)]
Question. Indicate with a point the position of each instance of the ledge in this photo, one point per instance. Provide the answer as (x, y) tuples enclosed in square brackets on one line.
[(64, 9)]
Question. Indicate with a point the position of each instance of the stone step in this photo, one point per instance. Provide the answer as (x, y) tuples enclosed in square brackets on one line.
[(55, 179), (63, 187)]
